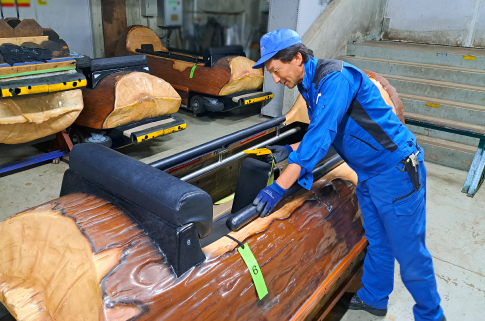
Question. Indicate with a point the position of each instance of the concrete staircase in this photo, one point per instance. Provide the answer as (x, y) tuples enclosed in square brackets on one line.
[(442, 84)]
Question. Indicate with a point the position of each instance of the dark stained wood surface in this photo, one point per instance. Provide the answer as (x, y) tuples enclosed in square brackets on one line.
[(114, 23), (297, 250)]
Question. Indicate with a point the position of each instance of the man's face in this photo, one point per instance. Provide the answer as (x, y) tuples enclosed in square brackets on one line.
[(287, 73)]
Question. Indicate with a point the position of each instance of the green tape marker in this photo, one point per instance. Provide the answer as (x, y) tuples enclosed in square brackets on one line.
[(192, 71), (254, 269)]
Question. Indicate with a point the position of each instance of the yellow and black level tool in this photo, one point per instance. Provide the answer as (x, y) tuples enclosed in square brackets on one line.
[(258, 151), (46, 84)]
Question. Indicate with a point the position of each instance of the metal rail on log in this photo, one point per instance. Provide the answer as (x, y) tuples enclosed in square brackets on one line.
[(476, 173)]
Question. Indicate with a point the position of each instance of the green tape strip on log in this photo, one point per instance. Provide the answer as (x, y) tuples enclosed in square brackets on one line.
[(254, 269), (192, 71), (36, 72)]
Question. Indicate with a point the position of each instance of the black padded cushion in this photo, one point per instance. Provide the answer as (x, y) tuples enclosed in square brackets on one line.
[(253, 177), (165, 196), (118, 62)]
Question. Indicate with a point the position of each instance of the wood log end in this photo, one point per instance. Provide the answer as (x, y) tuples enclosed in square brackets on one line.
[(28, 118), (139, 96), (44, 274)]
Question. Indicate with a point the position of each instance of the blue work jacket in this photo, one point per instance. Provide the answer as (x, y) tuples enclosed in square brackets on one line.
[(347, 111)]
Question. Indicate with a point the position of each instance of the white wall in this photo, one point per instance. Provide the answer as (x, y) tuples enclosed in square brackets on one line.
[(445, 22), (343, 21)]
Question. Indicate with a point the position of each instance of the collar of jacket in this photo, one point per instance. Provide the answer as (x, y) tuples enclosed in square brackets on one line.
[(310, 67)]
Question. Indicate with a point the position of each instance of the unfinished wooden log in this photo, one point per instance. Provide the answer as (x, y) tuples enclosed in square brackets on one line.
[(228, 75), (133, 37), (124, 97), (79, 257), (6, 31), (243, 76), (24, 119)]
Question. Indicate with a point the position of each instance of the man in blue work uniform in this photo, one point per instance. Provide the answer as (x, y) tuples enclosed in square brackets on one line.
[(347, 111)]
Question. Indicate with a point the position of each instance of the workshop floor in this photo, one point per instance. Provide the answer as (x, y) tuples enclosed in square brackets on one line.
[(455, 223)]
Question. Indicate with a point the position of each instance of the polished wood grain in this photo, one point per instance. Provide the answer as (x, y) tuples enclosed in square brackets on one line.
[(298, 248)]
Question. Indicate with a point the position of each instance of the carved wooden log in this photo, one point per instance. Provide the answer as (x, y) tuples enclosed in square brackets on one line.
[(124, 97), (229, 74), (80, 258), (25, 119)]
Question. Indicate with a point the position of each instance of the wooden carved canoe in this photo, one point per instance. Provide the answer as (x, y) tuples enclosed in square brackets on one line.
[(128, 241), (81, 258), (229, 75)]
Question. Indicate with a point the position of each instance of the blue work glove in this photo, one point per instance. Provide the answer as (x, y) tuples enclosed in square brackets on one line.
[(268, 198), (280, 153)]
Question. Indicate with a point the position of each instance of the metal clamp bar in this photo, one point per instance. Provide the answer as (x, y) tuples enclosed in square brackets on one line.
[(238, 155)]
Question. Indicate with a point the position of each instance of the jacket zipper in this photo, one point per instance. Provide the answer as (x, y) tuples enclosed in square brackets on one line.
[(364, 142), (400, 198)]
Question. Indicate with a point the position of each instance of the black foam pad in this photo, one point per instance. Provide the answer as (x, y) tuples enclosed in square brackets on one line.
[(253, 177), (161, 194)]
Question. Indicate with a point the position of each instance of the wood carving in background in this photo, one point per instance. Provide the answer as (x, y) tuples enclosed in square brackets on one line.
[(124, 97), (24, 119), (79, 257), (224, 78), (114, 22)]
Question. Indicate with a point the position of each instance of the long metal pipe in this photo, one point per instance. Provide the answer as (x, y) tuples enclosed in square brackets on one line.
[(238, 155), (200, 150)]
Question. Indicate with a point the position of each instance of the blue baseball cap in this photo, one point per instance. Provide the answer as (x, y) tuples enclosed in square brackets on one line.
[(274, 41)]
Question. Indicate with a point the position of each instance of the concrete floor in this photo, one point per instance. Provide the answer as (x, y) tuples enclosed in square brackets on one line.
[(456, 224)]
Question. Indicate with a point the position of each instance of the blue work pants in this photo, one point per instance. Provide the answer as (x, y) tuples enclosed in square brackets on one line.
[(394, 219)]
